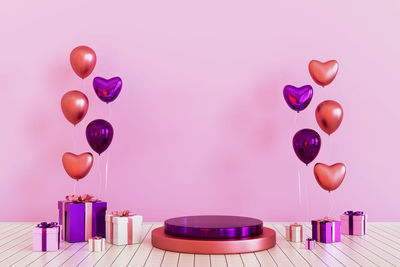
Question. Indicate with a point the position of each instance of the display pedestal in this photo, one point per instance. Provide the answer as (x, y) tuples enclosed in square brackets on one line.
[(165, 241)]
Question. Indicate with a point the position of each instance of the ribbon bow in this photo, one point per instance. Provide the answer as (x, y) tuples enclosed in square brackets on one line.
[(124, 213), (97, 237), (354, 213), (47, 225), (81, 199)]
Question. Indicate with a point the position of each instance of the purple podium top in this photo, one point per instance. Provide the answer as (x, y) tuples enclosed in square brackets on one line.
[(213, 226)]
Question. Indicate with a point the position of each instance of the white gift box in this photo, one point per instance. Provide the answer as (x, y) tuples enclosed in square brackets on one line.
[(294, 232), (124, 230), (97, 244)]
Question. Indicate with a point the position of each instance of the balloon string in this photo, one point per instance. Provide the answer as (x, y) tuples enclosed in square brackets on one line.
[(332, 200), (307, 203), (109, 111), (74, 139), (299, 181), (106, 180), (99, 174), (75, 183)]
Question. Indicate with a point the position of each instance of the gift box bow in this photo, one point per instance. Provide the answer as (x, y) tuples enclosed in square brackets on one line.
[(124, 213), (354, 213), (81, 199), (325, 220), (47, 225)]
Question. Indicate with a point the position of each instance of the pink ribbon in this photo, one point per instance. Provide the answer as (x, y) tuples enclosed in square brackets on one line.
[(97, 238), (301, 231), (81, 199), (124, 213)]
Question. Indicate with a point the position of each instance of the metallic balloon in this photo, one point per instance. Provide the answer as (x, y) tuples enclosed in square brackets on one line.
[(329, 177), (83, 60), (298, 98), (323, 73), (99, 134), (74, 105), (306, 145), (77, 166), (107, 90), (329, 115)]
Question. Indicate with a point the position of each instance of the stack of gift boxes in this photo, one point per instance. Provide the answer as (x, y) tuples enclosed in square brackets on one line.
[(83, 219), (328, 230)]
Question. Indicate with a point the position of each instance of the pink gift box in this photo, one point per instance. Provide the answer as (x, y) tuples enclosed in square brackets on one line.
[(354, 223), (46, 239)]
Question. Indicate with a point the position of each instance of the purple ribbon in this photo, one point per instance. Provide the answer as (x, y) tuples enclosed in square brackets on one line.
[(44, 226), (351, 213)]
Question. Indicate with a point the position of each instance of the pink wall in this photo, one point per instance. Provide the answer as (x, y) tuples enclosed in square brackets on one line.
[(201, 126)]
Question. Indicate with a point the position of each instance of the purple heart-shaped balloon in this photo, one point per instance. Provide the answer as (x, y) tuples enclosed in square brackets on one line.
[(298, 98), (107, 90)]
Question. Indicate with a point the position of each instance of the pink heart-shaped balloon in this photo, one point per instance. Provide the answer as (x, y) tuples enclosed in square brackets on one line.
[(329, 177), (323, 73), (77, 166)]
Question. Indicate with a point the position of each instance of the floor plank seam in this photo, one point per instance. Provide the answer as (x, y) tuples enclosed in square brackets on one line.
[(291, 245)]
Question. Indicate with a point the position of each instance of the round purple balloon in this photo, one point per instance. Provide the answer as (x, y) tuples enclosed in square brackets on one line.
[(99, 134), (298, 98), (107, 90), (306, 144), (213, 226)]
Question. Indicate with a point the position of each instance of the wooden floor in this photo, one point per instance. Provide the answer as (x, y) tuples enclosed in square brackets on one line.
[(381, 247)]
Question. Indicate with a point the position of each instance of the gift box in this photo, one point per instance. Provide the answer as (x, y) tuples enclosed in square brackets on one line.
[(353, 223), (294, 232), (46, 237), (82, 217), (97, 244), (310, 244), (326, 230), (123, 228)]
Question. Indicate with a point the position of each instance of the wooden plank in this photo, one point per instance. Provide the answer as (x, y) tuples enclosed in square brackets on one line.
[(111, 255), (201, 260), (185, 260), (50, 255), (234, 260), (322, 248), (348, 251), (170, 259), (17, 256), (93, 257), (250, 259), (15, 249), (16, 241), (372, 256), (293, 255), (78, 257), (16, 233), (390, 242), (129, 250), (265, 258), (218, 260), (155, 258), (28, 259), (143, 252), (65, 254), (384, 230), (10, 227)]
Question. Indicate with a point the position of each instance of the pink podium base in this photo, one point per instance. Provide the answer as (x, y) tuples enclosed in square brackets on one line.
[(161, 240)]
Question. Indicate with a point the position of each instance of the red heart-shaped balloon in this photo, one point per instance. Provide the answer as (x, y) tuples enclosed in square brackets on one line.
[(323, 73), (329, 177), (77, 166)]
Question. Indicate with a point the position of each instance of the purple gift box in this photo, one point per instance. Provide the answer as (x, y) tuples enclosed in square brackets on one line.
[(326, 230), (82, 221)]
